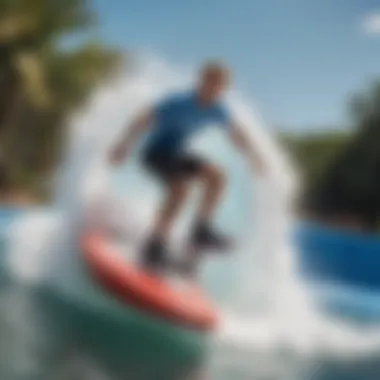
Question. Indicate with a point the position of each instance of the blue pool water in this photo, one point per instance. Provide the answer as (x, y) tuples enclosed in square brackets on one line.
[(331, 254)]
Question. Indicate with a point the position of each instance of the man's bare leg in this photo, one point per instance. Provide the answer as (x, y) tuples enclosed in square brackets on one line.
[(155, 252), (175, 198), (213, 181), (204, 236)]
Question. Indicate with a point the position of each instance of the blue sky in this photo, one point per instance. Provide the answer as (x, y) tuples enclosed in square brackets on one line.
[(298, 59)]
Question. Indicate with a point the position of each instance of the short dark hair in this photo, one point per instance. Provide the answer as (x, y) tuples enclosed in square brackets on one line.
[(215, 66)]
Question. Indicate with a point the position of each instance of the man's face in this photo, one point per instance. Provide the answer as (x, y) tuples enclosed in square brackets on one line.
[(213, 84)]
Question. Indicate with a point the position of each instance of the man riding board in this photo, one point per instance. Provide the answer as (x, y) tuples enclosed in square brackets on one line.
[(172, 122)]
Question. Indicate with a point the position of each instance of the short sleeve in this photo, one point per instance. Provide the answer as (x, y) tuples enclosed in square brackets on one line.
[(222, 115), (164, 105)]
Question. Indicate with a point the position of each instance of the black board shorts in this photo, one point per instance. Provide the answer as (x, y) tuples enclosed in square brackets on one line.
[(171, 167)]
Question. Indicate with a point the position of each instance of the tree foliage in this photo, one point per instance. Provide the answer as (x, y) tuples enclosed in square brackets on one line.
[(41, 82), (343, 170), (315, 152)]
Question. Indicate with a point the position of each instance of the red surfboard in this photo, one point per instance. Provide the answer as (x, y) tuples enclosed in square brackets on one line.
[(185, 306)]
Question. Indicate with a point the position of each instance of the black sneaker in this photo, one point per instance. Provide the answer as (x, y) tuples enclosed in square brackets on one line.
[(205, 238), (155, 256)]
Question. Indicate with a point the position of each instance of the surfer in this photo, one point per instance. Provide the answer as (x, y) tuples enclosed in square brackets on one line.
[(172, 123)]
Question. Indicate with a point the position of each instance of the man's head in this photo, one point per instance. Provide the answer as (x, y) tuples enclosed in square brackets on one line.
[(214, 79)]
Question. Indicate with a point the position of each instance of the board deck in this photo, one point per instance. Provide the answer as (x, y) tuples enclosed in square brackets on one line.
[(171, 298)]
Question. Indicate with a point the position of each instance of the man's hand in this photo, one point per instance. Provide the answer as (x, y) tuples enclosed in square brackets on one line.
[(258, 165), (241, 141), (118, 155)]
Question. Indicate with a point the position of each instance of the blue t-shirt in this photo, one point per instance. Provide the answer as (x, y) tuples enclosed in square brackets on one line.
[(177, 118)]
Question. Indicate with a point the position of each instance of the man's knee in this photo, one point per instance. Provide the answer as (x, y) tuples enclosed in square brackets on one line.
[(179, 189), (214, 176)]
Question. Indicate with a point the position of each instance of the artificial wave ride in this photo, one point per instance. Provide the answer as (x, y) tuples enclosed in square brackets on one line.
[(95, 272)]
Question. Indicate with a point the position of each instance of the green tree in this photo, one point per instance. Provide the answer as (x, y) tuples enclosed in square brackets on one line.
[(314, 152), (41, 82), (344, 174)]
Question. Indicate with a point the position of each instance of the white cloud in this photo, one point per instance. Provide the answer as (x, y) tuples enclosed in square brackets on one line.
[(371, 23)]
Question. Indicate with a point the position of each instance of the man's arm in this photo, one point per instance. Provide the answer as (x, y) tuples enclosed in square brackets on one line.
[(128, 139), (241, 141)]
